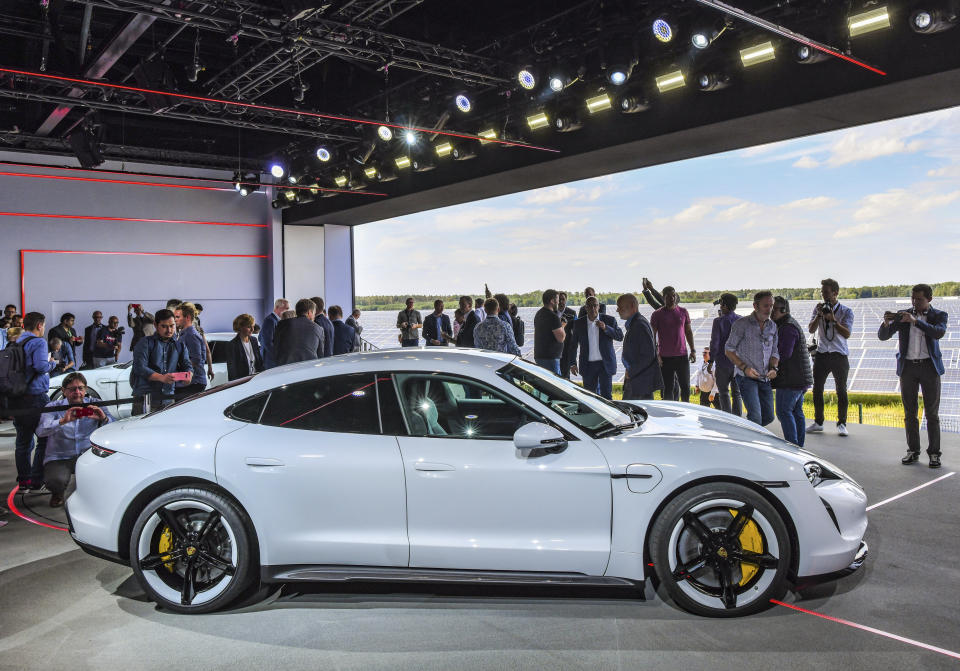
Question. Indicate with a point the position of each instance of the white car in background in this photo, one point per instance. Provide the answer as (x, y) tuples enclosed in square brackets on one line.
[(112, 382), (457, 465)]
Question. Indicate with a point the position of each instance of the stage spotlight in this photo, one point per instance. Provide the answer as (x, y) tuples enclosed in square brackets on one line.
[(323, 154), (567, 122), (670, 81), (487, 135), (423, 163), (526, 79), (341, 179), (557, 83), (617, 75), (410, 137), (288, 195), (371, 172), (292, 179), (402, 162), (538, 120), (662, 30), (85, 142), (277, 170), (598, 103), (929, 21), (760, 53), (443, 149), (250, 183), (631, 104), (700, 39), (385, 133), (807, 55), (867, 22), (237, 179), (463, 153), (712, 81), (463, 103)]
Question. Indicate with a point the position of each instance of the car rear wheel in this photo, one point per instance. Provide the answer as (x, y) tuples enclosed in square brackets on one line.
[(721, 550), (191, 551)]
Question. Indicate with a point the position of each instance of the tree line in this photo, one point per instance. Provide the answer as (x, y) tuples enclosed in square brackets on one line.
[(532, 298)]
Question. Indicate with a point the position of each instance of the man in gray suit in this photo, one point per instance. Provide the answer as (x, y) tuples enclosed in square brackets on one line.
[(639, 352), (353, 320), (300, 338)]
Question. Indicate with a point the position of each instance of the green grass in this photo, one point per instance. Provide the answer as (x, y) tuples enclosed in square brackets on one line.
[(877, 409)]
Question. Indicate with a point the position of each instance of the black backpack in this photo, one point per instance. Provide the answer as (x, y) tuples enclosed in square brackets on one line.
[(14, 377)]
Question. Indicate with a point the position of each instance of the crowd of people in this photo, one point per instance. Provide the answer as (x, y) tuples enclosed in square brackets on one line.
[(760, 363)]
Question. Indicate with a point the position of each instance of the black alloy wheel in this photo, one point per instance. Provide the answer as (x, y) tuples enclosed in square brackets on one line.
[(721, 550), (191, 551)]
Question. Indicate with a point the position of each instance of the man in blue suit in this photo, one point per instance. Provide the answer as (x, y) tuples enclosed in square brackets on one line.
[(919, 366), (436, 327), (639, 354), (343, 335), (267, 331), (324, 322), (594, 334)]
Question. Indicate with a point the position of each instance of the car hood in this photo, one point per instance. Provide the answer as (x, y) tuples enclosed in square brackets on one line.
[(669, 419)]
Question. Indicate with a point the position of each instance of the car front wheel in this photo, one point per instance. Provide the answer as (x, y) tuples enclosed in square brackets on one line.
[(721, 550), (191, 550)]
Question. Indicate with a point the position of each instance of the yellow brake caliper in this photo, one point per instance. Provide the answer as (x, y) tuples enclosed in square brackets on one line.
[(751, 541), (163, 547)]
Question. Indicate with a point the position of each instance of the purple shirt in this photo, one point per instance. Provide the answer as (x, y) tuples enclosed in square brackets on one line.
[(718, 339), (668, 323)]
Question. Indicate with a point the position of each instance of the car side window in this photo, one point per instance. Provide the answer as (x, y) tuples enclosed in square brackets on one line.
[(247, 410), (455, 407), (341, 403)]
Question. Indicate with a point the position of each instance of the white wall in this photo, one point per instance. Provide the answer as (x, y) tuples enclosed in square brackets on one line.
[(302, 262)]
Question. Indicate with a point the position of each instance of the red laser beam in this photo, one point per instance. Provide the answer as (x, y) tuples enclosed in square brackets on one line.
[(269, 108), (85, 217), (73, 178), (16, 511), (24, 252), (879, 632)]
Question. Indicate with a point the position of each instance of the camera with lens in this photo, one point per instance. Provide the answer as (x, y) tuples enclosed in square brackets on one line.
[(121, 330), (825, 310)]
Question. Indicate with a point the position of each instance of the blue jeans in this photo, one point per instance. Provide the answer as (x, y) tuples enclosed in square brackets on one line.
[(29, 472), (790, 414), (758, 399), (410, 342), (552, 365)]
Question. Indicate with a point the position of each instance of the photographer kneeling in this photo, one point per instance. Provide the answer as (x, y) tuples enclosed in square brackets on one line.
[(68, 434)]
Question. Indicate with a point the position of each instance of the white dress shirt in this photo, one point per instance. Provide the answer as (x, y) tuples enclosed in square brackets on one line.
[(593, 340), (917, 346)]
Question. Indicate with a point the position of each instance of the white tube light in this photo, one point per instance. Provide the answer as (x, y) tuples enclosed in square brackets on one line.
[(670, 81), (867, 22), (761, 53)]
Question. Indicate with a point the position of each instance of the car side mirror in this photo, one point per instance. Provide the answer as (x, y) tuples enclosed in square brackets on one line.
[(537, 435)]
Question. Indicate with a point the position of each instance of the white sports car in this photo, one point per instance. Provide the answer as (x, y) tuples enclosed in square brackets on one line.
[(112, 382), (457, 465)]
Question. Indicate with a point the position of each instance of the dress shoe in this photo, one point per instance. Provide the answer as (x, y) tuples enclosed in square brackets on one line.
[(934, 461), (910, 458), (56, 501)]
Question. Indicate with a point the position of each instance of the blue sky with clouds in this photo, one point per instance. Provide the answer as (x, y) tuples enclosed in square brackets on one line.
[(876, 204)]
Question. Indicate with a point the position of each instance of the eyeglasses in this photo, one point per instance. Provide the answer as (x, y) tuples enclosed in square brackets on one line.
[(75, 388)]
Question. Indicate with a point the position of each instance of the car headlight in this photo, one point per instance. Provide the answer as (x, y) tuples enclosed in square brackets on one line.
[(817, 473)]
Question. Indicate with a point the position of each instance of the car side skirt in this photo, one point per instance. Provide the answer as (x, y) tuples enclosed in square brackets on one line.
[(327, 573)]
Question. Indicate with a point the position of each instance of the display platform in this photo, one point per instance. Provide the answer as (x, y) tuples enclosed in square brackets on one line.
[(61, 607)]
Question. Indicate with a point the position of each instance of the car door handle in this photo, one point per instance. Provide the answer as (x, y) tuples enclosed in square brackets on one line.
[(432, 466), (263, 461)]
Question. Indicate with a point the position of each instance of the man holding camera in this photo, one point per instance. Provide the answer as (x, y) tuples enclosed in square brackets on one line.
[(160, 363), (107, 342), (409, 322), (832, 323), (919, 366), (68, 434)]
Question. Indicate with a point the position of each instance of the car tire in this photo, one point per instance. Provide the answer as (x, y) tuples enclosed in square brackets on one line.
[(191, 550), (698, 544)]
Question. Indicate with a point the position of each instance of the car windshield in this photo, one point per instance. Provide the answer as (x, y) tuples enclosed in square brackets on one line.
[(595, 415)]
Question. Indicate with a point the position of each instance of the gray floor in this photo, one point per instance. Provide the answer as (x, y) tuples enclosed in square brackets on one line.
[(60, 608)]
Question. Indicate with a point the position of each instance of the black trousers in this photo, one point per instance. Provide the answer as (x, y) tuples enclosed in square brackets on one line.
[(823, 365), (727, 385), (922, 376), (705, 400), (676, 371), (57, 473)]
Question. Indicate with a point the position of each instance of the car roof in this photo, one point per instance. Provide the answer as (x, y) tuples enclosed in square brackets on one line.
[(421, 359)]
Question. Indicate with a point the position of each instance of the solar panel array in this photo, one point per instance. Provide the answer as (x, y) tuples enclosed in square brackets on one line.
[(872, 362)]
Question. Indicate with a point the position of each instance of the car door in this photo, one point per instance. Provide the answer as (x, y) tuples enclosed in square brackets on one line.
[(474, 501), (321, 482)]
